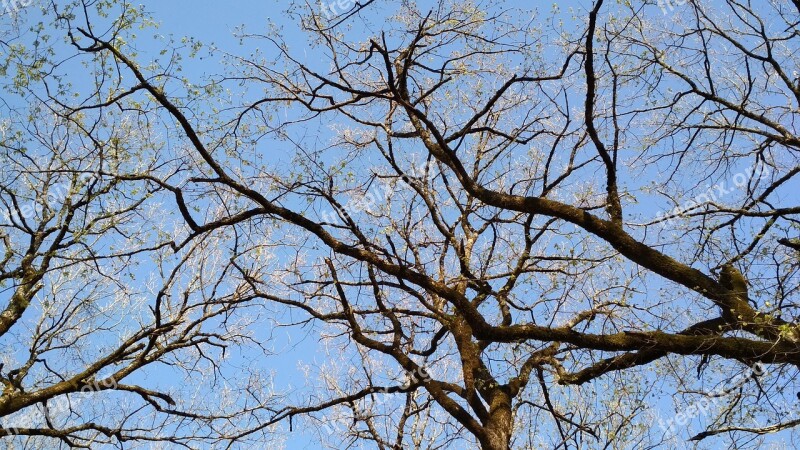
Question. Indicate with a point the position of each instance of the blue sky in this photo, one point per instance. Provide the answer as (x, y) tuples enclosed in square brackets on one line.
[(215, 22)]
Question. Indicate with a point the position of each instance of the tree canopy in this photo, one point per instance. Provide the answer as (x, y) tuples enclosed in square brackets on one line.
[(445, 224)]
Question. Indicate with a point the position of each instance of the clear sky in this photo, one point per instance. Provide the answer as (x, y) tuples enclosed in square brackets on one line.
[(216, 22)]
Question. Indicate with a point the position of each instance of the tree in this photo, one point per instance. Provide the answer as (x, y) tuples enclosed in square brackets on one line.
[(495, 220), (109, 323)]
